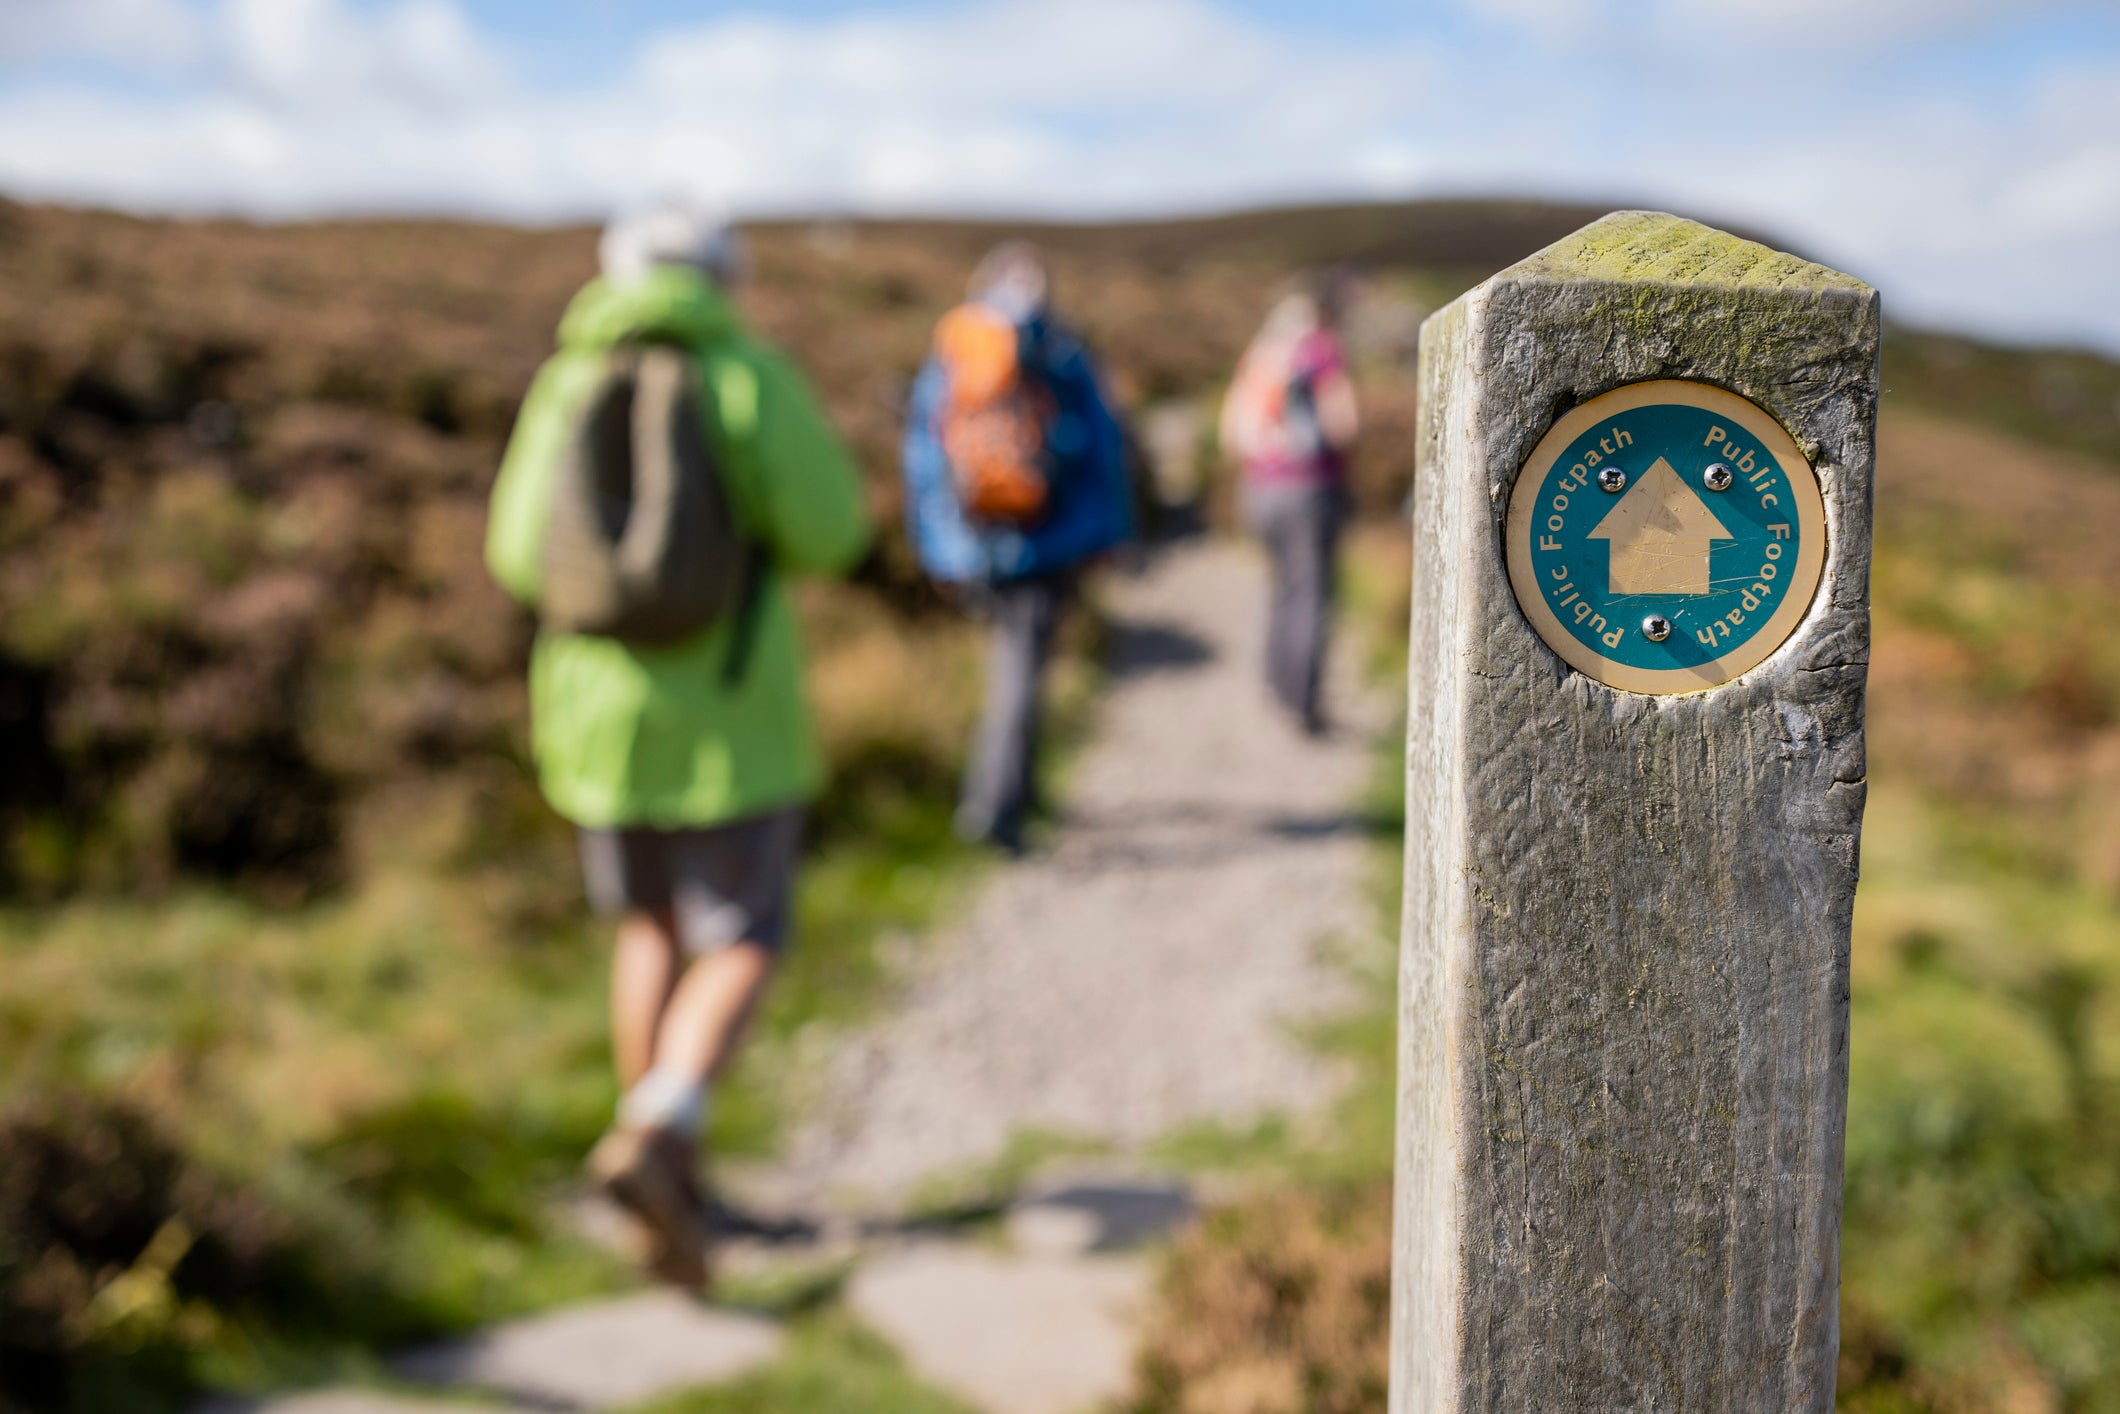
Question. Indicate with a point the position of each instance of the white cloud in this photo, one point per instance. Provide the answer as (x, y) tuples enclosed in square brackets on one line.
[(317, 53), (1811, 25), (1991, 207), (292, 50), (145, 33), (1054, 104)]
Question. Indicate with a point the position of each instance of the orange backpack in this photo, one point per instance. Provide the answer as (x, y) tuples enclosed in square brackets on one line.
[(994, 420)]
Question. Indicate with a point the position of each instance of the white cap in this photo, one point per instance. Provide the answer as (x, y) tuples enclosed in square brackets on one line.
[(1013, 281), (671, 233)]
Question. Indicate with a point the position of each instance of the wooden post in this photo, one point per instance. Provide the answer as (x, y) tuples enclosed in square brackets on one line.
[(1635, 786)]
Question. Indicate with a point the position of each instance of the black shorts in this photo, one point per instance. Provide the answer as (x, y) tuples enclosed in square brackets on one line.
[(722, 884)]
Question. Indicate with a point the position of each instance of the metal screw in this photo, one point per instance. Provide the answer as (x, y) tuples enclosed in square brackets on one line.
[(1611, 479), (1717, 477), (1656, 628)]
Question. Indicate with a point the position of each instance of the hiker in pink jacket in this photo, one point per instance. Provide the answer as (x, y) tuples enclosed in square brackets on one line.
[(1290, 421)]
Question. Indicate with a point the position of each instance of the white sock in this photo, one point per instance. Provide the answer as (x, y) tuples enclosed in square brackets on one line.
[(665, 1099)]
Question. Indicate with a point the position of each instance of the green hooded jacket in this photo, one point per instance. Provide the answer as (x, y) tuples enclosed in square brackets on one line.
[(638, 735)]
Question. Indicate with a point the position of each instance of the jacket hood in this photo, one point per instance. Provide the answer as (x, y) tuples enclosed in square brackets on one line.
[(668, 303)]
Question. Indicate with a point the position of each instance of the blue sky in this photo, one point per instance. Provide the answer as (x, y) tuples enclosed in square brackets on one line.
[(1964, 155)]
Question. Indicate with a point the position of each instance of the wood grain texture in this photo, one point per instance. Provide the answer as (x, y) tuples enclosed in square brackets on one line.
[(1623, 1055)]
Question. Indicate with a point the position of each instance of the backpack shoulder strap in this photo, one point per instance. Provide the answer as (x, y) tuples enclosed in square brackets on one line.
[(743, 631)]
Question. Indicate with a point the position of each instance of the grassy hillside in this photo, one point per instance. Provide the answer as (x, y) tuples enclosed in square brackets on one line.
[(242, 481), (1467, 238), (2068, 398), (300, 1027)]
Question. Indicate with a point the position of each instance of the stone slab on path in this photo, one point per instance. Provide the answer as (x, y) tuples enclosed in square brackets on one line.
[(603, 1355), (1097, 1213), (1011, 1334)]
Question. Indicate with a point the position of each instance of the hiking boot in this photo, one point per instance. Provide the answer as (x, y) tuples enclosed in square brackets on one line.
[(648, 1174)]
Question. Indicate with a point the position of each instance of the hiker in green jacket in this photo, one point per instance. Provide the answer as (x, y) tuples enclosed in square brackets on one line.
[(686, 775)]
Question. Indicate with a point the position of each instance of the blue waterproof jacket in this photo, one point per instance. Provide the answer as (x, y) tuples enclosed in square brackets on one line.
[(1089, 507)]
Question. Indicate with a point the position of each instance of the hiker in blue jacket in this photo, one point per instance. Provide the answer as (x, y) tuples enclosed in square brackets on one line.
[(1020, 569)]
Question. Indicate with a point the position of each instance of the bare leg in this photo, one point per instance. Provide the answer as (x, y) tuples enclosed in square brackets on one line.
[(708, 1011), (644, 972), (677, 1025)]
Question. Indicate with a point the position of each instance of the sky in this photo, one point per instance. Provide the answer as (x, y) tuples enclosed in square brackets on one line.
[(1962, 155)]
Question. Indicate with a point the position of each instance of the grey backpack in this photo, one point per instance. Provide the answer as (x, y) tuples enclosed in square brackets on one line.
[(644, 543)]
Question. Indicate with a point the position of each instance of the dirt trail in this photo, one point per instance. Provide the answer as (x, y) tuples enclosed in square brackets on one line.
[(1145, 970)]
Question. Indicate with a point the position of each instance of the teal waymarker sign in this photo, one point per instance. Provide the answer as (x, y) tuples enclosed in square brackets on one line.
[(1666, 537)]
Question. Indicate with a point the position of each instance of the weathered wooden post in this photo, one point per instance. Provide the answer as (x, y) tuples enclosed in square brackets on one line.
[(1635, 791)]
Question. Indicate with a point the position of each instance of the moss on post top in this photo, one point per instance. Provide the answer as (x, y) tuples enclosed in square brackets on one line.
[(1655, 248)]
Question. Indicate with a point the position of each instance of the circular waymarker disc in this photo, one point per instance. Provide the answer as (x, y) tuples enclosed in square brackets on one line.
[(1721, 577)]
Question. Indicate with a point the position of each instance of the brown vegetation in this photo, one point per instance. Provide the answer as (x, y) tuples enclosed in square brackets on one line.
[(1276, 1306), (242, 484)]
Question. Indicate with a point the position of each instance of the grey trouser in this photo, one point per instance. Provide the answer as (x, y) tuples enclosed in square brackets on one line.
[(721, 884), (1300, 525), (1000, 784)]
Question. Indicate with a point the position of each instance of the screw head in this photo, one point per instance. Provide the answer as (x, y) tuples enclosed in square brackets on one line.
[(1611, 478), (1656, 628), (1717, 477)]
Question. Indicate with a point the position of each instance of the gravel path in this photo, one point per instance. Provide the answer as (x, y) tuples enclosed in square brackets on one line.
[(1143, 970)]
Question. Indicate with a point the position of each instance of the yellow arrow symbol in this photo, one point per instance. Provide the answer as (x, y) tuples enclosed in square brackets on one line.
[(1660, 534)]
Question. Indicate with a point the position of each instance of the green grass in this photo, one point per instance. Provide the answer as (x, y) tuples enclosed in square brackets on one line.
[(397, 1086), (980, 1191), (347, 1080), (379, 1099), (1981, 1249), (831, 1366)]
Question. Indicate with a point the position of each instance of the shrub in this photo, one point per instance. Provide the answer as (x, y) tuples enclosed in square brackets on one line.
[(122, 1261), (1278, 1305)]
